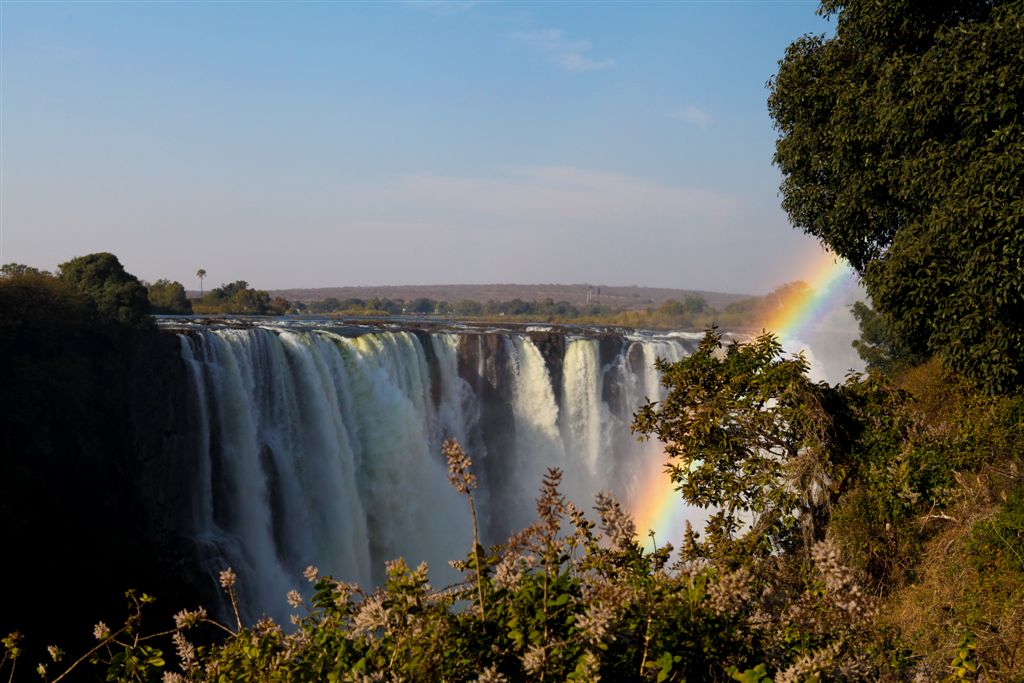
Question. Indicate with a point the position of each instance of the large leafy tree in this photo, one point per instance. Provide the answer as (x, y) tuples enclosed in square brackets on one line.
[(117, 293), (902, 148)]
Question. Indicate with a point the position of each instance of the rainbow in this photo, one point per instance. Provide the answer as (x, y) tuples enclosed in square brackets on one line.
[(658, 507), (829, 281)]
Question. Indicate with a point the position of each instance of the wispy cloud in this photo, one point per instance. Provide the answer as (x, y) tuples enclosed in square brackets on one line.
[(692, 114), (567, 54)]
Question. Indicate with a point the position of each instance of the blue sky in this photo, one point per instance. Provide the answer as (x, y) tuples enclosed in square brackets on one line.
[(320, 144)]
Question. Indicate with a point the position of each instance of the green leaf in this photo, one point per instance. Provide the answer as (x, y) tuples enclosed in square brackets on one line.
[(756, 675)]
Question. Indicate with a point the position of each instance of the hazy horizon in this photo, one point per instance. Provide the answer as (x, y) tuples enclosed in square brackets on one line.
[(328, 145)]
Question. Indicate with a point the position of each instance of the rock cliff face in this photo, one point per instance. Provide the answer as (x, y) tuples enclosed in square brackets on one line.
[(552, 347), (159, 459), (483, 362), (98, 441)]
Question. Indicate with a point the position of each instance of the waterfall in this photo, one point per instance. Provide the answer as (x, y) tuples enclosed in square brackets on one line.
[(320, 448)]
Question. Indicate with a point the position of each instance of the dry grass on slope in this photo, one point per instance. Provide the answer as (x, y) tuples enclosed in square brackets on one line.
[(967, 609)]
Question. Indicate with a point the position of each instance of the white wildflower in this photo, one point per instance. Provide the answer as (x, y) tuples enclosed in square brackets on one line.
[(459, 467), (616, 524), (228, 579), (730, 591), (370, 616), (508, 572), (186, 651), (596, 621), (491, 675), (187, 619), (534, 659)]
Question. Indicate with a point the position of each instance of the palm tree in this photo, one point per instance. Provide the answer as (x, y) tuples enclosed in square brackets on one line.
[(201, 273)]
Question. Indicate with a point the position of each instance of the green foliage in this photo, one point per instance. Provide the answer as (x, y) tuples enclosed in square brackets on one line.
[(693, 311), (877, 347), (680, 313), (965, 662), (328, 305), (782, 461), (10, 270), (117, 294), (999, 540), (421, 305), (749, 436), (963, 612), (467, 307), (567, 599), (902, 148), (168, 297), (889, 479), (909, 460), (240, 299), (32, 297)]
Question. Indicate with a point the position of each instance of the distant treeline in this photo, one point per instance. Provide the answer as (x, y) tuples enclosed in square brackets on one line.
[(239, 298), (124, 296), (462, 308), (692, 311)]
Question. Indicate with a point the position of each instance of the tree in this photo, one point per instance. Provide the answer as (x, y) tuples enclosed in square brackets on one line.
[(748, 434), (695, 304), (116, 293), (227, 290), (468, 307), (672, 307), (279, 305), (201, 273), (422, 305), (902, 149), (168, 297), (328, 305), (877, 347), (11, 270)]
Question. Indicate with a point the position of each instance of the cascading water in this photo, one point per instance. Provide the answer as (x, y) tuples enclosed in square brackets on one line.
[(321, 448)]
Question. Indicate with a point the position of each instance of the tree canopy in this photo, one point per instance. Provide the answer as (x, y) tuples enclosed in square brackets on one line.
[(168, 297), (116, 293), (12, 270), (239, 298), (902, 149), (749, 435), (876, 345)]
